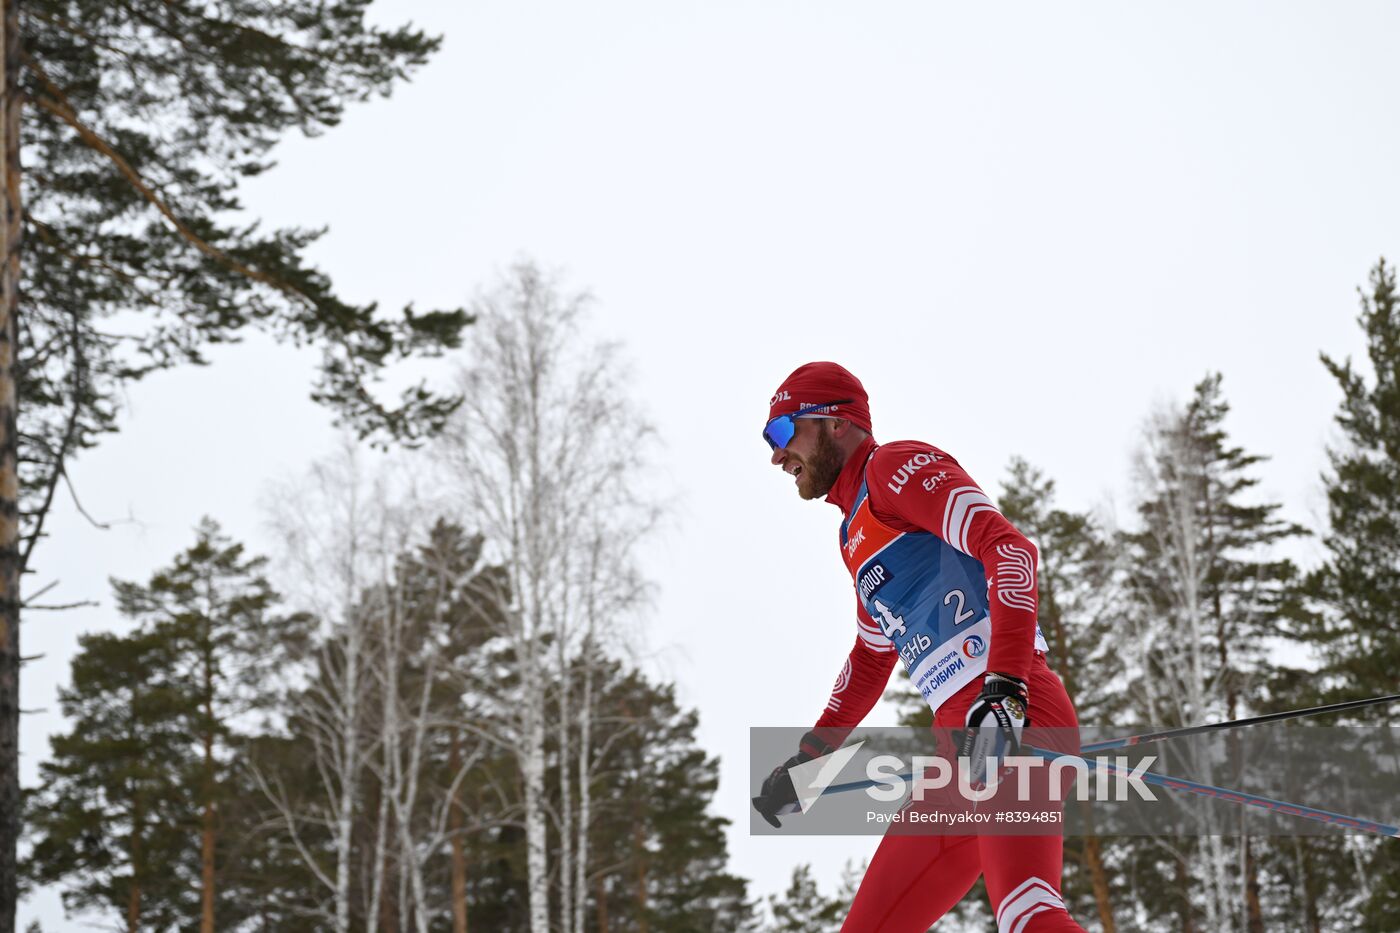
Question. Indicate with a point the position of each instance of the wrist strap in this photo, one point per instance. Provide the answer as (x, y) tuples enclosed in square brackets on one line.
[(1003, 686), (814, 746)]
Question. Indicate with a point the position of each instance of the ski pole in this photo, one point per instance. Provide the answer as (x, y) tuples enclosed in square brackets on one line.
[(1146, 737), (1236, 796)]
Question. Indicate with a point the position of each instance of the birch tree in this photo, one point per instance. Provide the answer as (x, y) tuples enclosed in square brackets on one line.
[(546, 456), (383, 709), (334, 530), (1208, 596), (430, 625)]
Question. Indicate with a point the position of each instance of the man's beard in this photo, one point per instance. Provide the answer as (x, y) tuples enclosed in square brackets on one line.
[(820, 472)]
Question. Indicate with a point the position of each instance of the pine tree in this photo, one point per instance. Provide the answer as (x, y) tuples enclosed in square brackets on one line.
[(138, 121), (1356, 591), (1358, 585), (802, 908), (1079, 588), (265, 868), (112, 824), (214, 611)]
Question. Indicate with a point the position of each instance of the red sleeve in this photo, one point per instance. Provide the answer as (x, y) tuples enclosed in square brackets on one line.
[(917, 487), (859, 685)]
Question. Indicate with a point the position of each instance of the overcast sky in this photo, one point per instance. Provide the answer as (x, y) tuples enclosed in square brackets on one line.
[(1021, 225)]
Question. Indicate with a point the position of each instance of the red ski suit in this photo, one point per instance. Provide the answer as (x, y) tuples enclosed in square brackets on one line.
[(915, 879)]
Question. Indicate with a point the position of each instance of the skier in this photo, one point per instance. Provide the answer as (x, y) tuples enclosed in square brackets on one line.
[(946, 582)]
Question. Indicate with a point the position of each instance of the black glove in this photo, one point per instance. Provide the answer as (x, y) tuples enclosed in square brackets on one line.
[(994, 724), (777, 791)]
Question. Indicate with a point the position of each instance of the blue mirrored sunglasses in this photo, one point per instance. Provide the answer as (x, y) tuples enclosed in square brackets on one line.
[(780, 430)]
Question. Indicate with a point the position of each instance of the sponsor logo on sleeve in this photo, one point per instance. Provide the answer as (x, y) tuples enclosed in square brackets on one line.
[(931, 483), (906, 472)]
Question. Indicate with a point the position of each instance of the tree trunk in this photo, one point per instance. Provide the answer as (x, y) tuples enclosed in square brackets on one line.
[(1303, 860), (387, 916), (1183, 890), (602, 896), (585, 804), (133, 899), (459, 877), (537, 858), (1253, 913), (206, 922), (349, 773), (458, 842), (566, 793), (1093, 859), (379, 860), (459, 846), (10, 227), (640, 853), (133, 908)]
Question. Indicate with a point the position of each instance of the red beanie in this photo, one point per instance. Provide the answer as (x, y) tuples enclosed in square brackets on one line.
[(818, 384)]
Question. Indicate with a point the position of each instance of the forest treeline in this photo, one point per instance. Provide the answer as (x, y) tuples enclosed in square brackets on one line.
[(209, 749), (441, 728), (442, 725)]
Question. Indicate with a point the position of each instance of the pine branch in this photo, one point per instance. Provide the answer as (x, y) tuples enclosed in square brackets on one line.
[(79, 506), (57, 104), (61, 455)]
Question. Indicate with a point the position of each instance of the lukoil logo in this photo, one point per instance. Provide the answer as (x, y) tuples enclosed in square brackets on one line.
[(973, 646), (911, 466)]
